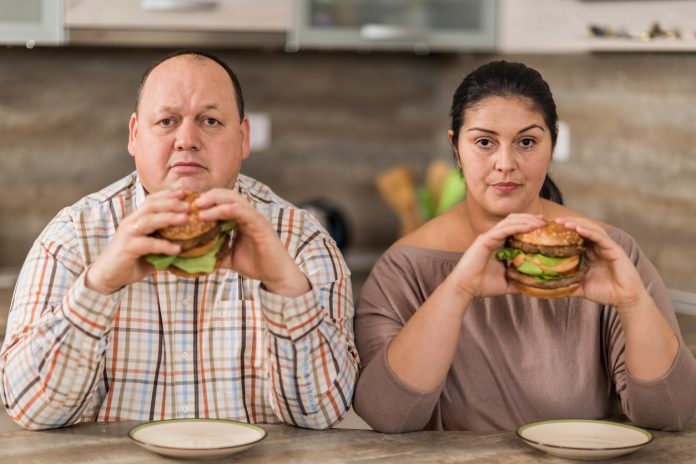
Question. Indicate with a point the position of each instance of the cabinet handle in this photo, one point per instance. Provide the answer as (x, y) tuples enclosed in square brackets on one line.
[(178, 5), (387, 32)]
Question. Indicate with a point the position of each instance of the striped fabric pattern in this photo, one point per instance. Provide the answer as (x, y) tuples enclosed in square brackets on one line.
[(218, 346)]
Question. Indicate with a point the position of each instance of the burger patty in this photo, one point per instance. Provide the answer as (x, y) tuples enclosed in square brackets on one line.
[(200, 240), (552, 251), (531, 281)]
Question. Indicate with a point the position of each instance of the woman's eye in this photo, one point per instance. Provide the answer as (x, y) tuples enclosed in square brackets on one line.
[(484, 143), (527, 143)]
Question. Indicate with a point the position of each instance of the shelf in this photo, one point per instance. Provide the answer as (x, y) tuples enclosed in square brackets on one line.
[(658, 45)]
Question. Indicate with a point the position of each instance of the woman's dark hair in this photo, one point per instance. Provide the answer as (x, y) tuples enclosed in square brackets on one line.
[(506, 79)]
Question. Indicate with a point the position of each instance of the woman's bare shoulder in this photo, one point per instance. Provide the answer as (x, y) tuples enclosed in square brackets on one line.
[(446, 232)]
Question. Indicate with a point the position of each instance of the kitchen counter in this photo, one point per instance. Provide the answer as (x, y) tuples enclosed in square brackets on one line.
[(108, 442)]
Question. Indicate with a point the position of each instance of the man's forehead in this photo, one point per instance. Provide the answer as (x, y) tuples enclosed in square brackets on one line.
[(167, 108), (173, 67), (181, 71)]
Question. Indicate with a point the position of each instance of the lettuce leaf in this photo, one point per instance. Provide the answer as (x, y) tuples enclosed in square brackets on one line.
[(506, 254), (200, 264)]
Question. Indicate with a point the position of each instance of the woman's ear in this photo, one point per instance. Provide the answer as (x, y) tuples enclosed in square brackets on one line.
[(455, 152)]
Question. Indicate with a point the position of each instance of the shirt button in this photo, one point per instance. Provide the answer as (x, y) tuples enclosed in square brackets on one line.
[(186, 302), (184, 409), (184, 355)]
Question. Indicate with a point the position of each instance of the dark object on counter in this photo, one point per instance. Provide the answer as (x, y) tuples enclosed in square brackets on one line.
[(331, 218)]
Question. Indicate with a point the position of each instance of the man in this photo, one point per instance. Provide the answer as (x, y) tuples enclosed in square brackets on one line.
[(94, 333)]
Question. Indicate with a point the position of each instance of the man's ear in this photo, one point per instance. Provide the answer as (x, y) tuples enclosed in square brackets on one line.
[(245, 127), (132, 133)]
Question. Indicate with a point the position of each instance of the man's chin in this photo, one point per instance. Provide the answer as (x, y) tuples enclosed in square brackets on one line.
[(192, 183)]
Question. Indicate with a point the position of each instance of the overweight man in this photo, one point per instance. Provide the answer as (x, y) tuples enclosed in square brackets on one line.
[(96, 334)]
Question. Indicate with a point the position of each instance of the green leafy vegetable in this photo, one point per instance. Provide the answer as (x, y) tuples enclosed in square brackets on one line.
[(200, 264)]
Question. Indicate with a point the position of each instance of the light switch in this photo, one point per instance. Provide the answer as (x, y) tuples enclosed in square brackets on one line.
[(260, 127), (562, 151)]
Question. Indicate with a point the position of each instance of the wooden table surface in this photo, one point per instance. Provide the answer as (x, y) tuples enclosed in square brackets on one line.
[(108, 443)]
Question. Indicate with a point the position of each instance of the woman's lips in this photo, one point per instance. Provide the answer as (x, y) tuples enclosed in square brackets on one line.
[(506, 187)]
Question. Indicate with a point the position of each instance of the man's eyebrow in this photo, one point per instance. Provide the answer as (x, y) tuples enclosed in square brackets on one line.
[(489, 131)]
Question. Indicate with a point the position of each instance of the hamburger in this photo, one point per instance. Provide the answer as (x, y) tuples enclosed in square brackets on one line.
[(203, 244), (548, 262)]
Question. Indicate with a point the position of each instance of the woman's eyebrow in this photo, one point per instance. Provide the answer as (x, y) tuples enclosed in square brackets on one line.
[(489, 131), (531, 126), (481, 129)]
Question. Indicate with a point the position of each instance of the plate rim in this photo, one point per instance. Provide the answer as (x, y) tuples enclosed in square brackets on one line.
[(135, 428), (642, 431)]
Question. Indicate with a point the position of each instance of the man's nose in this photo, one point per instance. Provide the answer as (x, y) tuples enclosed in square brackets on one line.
[(188, 137), (505, 159)]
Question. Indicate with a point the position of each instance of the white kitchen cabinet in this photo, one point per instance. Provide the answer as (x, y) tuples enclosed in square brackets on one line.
[(561, 26), (418, 25), (184, 22), (31, 22)]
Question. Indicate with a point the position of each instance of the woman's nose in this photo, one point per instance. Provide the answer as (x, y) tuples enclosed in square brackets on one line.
[(188, 137), (505, 159)]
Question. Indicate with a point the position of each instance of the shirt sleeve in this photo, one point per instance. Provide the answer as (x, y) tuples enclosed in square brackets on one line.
[(313, 361), (667, 403), (388, 299), (56, 337)]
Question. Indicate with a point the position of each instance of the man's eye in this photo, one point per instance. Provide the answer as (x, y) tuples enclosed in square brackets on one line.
[(212, 122), (166, 122)]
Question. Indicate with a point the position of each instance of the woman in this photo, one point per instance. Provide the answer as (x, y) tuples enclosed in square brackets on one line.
[(447, 343)]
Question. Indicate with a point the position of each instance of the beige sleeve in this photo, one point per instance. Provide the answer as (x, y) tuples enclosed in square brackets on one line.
[(667, 403)]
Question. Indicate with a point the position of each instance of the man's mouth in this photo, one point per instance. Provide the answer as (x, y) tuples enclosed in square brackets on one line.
[(186, 167)]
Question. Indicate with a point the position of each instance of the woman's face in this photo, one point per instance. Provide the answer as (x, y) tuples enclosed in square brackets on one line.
[(504, 149)]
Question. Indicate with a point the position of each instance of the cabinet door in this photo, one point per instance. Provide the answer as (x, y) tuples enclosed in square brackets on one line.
[(31, 22), (188, 15), (561, 26), (419, 24)]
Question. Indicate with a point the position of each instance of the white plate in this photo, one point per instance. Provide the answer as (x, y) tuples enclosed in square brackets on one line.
[(584, 439), (196, 438)]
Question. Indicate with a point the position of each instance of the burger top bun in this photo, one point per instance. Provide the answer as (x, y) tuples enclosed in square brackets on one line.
[(551, 234), (193, 228)]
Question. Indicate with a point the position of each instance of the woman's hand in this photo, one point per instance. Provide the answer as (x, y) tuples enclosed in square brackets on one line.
[(479, 273), (122, 263), (612, 278)]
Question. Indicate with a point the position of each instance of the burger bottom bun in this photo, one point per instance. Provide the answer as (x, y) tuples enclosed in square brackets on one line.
[(181, 273), (560, 292), (224, 249)]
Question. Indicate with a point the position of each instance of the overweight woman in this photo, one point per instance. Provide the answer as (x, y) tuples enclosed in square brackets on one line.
[(447, 343)]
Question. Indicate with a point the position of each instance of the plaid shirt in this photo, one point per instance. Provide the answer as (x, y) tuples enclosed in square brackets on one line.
[(219, 346)]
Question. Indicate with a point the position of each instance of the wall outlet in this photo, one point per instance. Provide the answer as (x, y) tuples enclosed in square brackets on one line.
[(260, 127), (562, 150)]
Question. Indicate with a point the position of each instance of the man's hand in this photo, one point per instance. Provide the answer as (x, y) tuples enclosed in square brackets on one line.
[(257, 251), (121, 263)]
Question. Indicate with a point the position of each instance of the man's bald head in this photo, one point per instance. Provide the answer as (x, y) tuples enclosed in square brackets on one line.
[(203, 56)]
